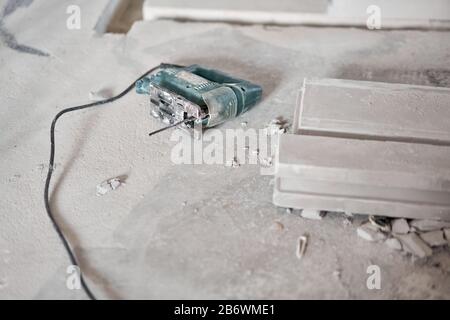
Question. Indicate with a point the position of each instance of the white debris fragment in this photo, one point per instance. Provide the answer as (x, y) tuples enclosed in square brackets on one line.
[(394, 244), (434, 238), (277, 126), (400, 226), (447, 235), (369, 232), (234, 163), (312, 214), (349, 214), (288, 210), (337, 274), (266, 162), (302, 242), (244, 124), (413, 244), (429, 225), (100, 95), (108, 185)]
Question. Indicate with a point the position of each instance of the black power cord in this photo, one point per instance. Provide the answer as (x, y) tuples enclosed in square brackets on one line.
[(56, 226)]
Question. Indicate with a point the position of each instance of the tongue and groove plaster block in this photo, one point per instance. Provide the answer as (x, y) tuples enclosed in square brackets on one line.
[(367, 147), (365, 162), (371, 177), (374, 110), (319, 199)]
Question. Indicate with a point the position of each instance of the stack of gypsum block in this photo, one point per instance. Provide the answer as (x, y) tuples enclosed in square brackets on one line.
[(369, 148)]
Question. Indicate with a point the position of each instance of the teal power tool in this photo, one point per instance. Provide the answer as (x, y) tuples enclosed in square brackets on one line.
[(180, 96), (196, 96)]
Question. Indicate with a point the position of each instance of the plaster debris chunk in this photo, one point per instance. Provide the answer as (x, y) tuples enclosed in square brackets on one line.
[(429, 225), (394, 244), (108, 185), (413, 244), (400, 226), (278, 125), (434, 238), (349, 214), (337, 274), (302, 243), (312, 214), (369, 232), (447, 235), (234, 163), (266, 162)]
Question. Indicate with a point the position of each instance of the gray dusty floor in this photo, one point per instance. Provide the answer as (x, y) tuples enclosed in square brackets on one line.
[(140, 241)]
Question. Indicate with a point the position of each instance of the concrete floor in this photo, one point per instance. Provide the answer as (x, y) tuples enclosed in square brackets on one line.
[(140, 241)]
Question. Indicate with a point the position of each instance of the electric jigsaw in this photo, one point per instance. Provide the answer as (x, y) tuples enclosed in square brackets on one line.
[(196, 96)]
